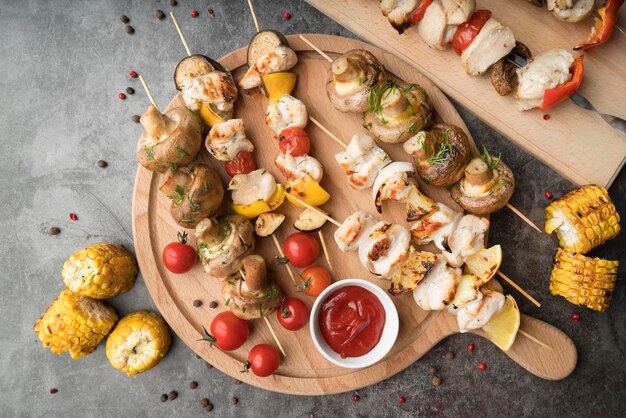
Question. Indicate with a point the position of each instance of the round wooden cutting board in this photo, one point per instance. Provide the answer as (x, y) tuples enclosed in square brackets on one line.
[(304, 370)]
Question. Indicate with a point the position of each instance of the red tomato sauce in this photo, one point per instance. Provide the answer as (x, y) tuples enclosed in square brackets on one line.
[(352, 320)]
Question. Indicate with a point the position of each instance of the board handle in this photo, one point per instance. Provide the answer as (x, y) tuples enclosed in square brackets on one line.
[(554, 362)]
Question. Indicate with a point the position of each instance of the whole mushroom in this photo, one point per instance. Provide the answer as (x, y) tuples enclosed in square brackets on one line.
[(223, 243), (350, 78), (486, 187), (196, 192), (255, 296), (440, 154), (397, 111), (170, 140)]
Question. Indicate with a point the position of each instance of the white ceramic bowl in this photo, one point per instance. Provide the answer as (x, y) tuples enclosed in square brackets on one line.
[(387, 338)]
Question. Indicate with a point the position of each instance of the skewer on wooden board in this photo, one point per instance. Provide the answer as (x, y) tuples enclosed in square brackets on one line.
[(267, 322), (340, 142), (282, 254)]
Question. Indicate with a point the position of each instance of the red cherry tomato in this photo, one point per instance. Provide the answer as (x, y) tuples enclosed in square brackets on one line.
[(263, 360), (242, 164), (314, 280), (228, 331), (179, 257), (466, 32), (295, 141), (301, 249), (293, 314)]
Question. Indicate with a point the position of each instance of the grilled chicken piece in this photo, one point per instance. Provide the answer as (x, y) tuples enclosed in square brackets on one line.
[(398, 11), (384, 247), (227, 139), (436, 227), (467, 239), (248, 188), (295, 168), (547, 70), (437, 290), (441, 20), (282, 58), (493, 42), (362, 161), (348, 236), (285, 113), (476, 314), (215, 88), (570, 10), (457, 12)]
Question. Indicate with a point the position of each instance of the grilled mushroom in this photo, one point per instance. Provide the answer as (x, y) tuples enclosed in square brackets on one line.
[(440, 154), (170, 140), (571, 10), (487, 186), (350, 78), (196, 193), (223, 243), (397, 111), (254, 296), (503, 73)]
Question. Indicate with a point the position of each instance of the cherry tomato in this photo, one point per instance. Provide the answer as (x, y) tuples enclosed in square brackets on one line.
[(314, 280), (179, 257), (301, 249), (228, 331), (263, 360), (295, 141), (293, 314), (466, 32), (242, 164)]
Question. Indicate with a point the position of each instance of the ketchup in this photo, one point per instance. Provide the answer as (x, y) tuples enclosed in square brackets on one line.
[(352, 320)]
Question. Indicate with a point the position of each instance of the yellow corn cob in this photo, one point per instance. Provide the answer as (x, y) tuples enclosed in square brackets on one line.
[(100, 271), (138, 343), (583, 219), (75, 323), (583, 280)]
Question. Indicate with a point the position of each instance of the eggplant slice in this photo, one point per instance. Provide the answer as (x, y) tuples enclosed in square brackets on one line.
[(193, 66), (264, 42), (309, 221)]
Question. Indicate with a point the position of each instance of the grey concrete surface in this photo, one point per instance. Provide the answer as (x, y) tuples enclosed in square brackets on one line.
[(62, 64)]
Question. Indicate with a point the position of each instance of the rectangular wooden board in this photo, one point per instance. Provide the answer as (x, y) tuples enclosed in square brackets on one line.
[(575, 142)]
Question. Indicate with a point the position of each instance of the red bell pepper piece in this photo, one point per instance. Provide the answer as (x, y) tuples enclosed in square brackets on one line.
[(604, 26), (466, 32), (418, 13), (556, 95)]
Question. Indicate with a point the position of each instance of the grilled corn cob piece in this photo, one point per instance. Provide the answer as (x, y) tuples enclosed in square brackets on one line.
[(583, 280), (75, 323), (100, 271), (138, 343), (583, 219)]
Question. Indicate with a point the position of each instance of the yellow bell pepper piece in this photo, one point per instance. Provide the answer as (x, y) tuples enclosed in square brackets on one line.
[(209, 117), (254, 209), (278, 84), (309, 191)]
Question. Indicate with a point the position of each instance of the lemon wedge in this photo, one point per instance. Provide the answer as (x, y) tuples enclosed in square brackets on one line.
[(485, 263), (502, 328)]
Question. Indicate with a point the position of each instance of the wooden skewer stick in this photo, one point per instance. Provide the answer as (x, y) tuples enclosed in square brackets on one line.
[(180, 33), (256, 22), (148, 93), (534, 339), (280, 346), (282, 254), (524, 218), (519, 289), (327, 132), (319, 51), (323, 241)]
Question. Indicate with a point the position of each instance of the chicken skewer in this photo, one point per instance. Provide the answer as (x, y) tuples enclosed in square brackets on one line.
[(438, 284), (300, 169), (343, 144)]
